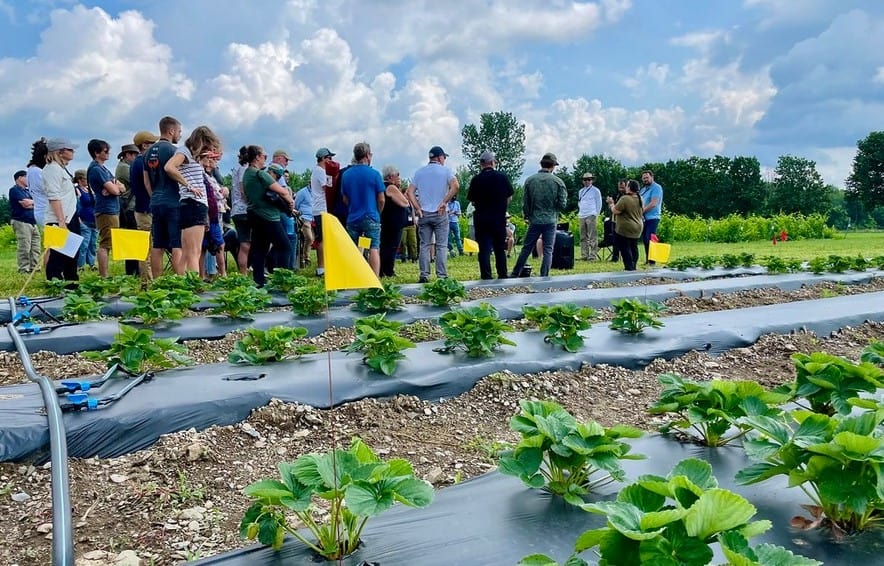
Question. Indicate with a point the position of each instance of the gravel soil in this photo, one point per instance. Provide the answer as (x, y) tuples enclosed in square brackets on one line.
[(181, 499)]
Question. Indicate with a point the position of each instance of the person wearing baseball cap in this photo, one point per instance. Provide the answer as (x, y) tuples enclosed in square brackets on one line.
[(432, 187), (24, 225), (545, 197), (142, 140), (320, 182), (62, 209)]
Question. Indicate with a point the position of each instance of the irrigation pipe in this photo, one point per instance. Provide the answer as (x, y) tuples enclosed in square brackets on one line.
[(62, 531)]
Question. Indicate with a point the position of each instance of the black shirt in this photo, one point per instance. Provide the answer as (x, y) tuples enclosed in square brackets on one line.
[(489, 192)]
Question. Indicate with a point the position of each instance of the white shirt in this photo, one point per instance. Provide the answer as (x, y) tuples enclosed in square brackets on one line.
[(589, 201), (318, 180), (58, 185)]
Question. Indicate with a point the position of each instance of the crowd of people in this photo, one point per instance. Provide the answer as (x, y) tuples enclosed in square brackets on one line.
[(174, 190)]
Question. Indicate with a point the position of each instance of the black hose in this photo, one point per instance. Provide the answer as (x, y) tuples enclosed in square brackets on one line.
[(62, 531)]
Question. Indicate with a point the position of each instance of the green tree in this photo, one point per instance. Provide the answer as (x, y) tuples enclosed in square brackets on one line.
[(798, 187), (866, 181), (298, 180), (501, 133)]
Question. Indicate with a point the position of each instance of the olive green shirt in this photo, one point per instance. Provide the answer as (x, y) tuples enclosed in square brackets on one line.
[(545, 197), (255, 184), (629, 216)]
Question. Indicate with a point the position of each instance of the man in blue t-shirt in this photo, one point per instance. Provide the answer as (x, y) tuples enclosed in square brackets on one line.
[(652, 205), (165, 232), (432, 188), (24, 224), (362, 189), (107, 191)]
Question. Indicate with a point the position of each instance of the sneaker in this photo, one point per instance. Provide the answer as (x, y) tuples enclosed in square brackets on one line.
[(423, 280), (320, 271)]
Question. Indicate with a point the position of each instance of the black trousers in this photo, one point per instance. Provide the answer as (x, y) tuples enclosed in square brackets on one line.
[(391, 236), (264, 234), (629, 252), (491, 239), (60, 266), (127, 220), (615, 246)]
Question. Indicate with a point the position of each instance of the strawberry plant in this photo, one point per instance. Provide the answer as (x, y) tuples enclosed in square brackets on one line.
[(747, 259), (562, 323), (828, 382), (839, 264), (286, 280), (818, 265), (563, 456), (708, 261), (190, 281), (794, 265), (836, 460), (731, 261), (675, 520), (878, 261), (860, 263), (157, 304), (232, 280), (272, 345), (632, 316), (353, 485), (81, 308), (310, 300), (137, 351), (874, 353), (443, 292), (775, 264), (374, 300), (55, 287), (378, 339), (240, 302), (477, 329), (713, 408)]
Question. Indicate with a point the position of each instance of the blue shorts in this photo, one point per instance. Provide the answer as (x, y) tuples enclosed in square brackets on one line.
[(165, 231), (213, 241), (192, 213), (366, 227)]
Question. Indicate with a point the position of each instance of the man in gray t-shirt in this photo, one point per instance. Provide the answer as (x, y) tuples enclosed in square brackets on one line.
[(432, 188)]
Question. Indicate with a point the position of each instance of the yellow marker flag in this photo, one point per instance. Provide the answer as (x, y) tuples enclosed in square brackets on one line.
[(130, 244), (470, 246), (54, 236), (345, 268)]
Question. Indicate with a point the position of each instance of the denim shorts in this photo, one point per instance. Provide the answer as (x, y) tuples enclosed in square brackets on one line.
[(165, 232), (214, 238), (193, 213), (366, 227)]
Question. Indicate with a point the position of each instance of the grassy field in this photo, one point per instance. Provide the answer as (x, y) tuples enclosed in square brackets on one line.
[(465, 268)]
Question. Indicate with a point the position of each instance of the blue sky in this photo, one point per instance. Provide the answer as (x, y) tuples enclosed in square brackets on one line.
[(638, 80)]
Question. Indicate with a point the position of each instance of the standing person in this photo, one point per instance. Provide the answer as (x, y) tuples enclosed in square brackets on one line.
[(239, 212), (471, 230), (454, 239), (652, 197), (545, 197), (263, 215), (589, 205), (320, 182), (362, 190), (187, 168), (287, 221), (39, 154), (615, 239), (165, 232), (394, 217), (628, 211), (142, 140), (408, 244), (431, 189), (107, 191), (127, 155), (304, 206), (213, 241), (490, 193), (24, 225), (86, 212), (62, 208)]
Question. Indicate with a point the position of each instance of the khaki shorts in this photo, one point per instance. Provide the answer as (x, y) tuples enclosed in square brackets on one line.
[(104, 223)]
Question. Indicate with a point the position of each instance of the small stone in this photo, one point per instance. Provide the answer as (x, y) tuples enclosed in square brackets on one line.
[(95, 555), (127, 558), (250, 430), (20, 497), (193, 526), (633, 392), (194, 452), (118, 478), (434, 475), (44, 528), (428, 412), (193, 514)]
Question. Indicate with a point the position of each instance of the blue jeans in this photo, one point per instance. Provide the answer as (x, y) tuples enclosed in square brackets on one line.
[(430, 224), (368, 227), (650, 227), (454, 234), (535, 232), (88, 246)]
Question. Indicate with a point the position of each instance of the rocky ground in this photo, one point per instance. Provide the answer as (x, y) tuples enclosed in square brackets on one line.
[(181, 499)]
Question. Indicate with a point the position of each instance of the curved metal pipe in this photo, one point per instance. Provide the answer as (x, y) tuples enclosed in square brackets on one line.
[(62, 529)]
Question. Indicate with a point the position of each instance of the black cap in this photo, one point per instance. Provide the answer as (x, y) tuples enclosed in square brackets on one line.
[(20, 173), (437, 151)]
